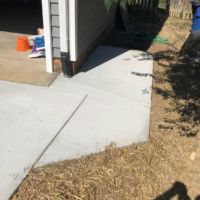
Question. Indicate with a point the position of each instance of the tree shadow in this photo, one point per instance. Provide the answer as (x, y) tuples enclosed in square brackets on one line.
[(183, 75), (136, 28)]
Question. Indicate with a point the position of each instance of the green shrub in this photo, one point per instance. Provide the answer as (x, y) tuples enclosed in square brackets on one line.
[(123, 3)]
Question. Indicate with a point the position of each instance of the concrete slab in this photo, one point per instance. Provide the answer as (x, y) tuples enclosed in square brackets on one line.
[(30, 118), (121, 72), (117, 110), (101, 120), (118, 83)]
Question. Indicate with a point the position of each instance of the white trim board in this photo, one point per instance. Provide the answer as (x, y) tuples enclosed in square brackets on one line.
[(73, 28), (47, 35)]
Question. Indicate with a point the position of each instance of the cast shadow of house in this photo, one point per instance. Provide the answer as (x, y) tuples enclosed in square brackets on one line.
[(101, 55)]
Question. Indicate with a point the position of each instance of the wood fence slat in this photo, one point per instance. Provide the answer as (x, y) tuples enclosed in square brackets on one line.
[(176, 8)]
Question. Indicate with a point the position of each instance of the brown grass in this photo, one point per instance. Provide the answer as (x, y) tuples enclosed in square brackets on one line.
[(168, 162)]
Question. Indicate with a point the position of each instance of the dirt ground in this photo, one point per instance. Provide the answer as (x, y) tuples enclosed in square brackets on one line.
[(165, 168), (15, 66)]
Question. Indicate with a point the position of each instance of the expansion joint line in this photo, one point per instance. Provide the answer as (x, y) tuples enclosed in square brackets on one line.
[(60, 130)]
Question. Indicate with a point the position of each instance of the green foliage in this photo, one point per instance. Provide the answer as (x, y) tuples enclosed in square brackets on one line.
[(123, 3)]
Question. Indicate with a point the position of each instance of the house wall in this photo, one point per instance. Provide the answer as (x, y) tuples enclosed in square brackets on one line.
[(55, 28), (93, 19)]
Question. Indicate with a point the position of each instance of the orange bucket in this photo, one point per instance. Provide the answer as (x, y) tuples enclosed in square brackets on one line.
[(22, 44)]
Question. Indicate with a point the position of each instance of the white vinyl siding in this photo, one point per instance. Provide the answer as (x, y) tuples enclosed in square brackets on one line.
[(93, 18)]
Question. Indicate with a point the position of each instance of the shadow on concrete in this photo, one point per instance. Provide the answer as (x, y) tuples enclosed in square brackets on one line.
[(18, 17), (144, 28), (178, 189), (100, 57), (183, 76), (143, 31)]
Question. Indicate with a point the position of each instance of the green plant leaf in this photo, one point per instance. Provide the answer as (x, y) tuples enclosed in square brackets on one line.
[(123, 4), (108, 4)]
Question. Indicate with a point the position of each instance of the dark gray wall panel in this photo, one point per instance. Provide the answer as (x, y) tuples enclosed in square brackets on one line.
[(55, 20), (54, 1), (54, 9), (55, 29), (56, 42), (56, 52)]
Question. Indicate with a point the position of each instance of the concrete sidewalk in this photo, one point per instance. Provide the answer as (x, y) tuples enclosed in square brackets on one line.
[(44, 125), (118, 84), (30, 118)]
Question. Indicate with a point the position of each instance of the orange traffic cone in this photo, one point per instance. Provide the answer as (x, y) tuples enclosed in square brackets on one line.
[(22, 44)]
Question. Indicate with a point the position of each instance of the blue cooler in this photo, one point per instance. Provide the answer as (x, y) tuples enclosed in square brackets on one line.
[(196, 16)]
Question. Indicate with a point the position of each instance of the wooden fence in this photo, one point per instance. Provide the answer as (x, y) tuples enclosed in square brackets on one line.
[(176, 8), (181, 9)]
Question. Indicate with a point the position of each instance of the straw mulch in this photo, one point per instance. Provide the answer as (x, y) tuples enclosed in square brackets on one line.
[(164, 168)]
